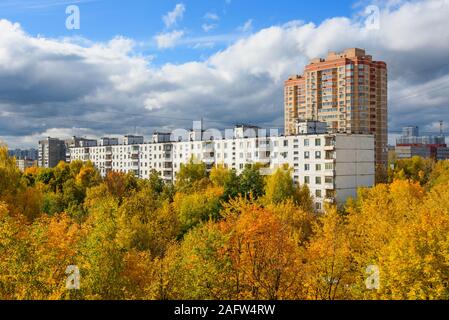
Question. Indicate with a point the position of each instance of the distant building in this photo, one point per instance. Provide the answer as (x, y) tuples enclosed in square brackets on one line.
[(76, 142), (27, 154), (130, 139), (442, 153), (51, 151), (407, 152), (108, 141), (23, 164), (411, 144)]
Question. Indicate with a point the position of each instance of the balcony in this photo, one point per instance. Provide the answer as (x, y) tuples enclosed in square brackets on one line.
[(330, 155), (329, 186)]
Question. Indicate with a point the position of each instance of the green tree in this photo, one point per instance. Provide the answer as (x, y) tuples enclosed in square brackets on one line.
[(251, 182), (192, 177)]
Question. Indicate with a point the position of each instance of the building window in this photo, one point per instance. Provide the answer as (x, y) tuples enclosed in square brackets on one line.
[(317, 142), (306, 142), (307, 180), (306, 155), (307, 167), (329, 179), (317, 154), (318, 167), (318, 180), (318, 206), (318, 193)]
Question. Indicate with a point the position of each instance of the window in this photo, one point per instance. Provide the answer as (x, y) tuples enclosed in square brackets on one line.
[(318, 180), (317, 142), (329, 179), (306, 155), (318, 167), (306, 142), (318, 206), (285, 143), (307, 180), (307, 167), (317, 154), (318, 193)]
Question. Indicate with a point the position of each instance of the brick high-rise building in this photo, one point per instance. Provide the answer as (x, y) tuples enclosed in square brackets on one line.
[(346, 90)]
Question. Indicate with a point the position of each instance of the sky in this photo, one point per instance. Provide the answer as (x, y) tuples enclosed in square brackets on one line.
[(148, 65)]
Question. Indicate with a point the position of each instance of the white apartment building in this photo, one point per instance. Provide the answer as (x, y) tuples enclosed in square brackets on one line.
[(333, 165)]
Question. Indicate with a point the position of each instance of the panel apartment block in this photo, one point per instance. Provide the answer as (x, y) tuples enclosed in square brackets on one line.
[(332, 165)]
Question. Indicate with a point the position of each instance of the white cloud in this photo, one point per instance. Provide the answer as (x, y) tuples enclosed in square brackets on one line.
[(208, 27), (50, 83), (247, 26), (168, 39), (211, 16), (172, 17)]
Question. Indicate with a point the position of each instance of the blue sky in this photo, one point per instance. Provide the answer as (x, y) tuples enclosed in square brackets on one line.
[(142, 20), (144, 65)]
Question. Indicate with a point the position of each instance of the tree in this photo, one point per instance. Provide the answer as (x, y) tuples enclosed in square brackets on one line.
[(251, 182), (439, 174), (192, 177), (156, 182), (10, 176), (226, 179), (417, 169), (101, 258), (328, 259), (279, 187), (145, 224), (415, 262), (119, 185), (192, 209), (204, 271), (264, 257)]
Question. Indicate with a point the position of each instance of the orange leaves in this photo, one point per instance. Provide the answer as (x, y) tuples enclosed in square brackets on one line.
[(263, 255)]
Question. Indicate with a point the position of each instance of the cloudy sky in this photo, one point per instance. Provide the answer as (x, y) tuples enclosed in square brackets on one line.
[(158, 65)]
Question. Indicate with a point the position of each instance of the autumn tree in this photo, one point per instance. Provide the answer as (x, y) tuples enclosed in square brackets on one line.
[(194, 208), (226, 179), (251, 182), (192, 177), (328, 264)]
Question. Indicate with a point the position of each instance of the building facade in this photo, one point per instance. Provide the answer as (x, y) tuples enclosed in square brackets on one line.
[(333, 165), (20, 154), (50, 152), (411, 144), (346, 90), (24, 164)]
